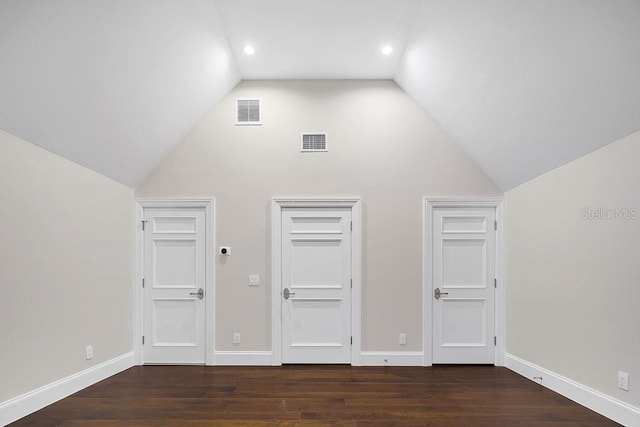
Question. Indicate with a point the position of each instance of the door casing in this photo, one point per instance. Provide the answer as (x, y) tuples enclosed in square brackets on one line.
[(500, 295), (208, 205), (277, 205)]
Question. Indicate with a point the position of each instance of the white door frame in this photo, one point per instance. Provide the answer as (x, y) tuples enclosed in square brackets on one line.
[(277, 205), (427, 287), (138, 301)]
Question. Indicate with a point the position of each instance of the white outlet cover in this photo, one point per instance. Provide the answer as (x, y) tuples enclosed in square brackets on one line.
[(623, 381), (89, 352), (236, 337), (403, 339), (254, 280)]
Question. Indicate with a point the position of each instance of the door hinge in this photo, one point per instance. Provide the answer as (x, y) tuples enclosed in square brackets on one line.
[(495, 283), (351, 226), (143, 223), (495, 341), (495, 225), (351, 283), (143, 340), (351, 340)]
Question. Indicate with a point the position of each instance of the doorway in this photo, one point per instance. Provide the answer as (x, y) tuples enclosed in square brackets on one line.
[(462, 304), (176, 293), (316, 281)]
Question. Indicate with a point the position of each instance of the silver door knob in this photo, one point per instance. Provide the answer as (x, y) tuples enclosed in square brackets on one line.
[(437, 293), (199, 294), (286, 293)]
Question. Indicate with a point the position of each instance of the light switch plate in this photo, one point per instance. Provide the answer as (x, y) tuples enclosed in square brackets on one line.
[(254, 280)]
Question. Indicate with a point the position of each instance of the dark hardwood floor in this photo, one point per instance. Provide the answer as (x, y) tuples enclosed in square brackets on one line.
[(315, 395)]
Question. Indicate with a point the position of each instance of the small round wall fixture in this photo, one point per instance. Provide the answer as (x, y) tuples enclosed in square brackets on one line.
[(387, 50), (249, 50)]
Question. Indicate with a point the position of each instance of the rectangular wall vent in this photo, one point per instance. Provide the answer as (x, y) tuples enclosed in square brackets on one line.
[(314, 142), (248, 112)]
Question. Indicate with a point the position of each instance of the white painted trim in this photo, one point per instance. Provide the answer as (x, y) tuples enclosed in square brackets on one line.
[(208, 204), (391, 358), (242, 358), (501, 290), (427, 279), (601, 403), (279, 203), (427, 284), (276, 280), (28, 403), (138, 302)]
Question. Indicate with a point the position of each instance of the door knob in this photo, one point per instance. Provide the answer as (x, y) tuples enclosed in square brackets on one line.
[(199, 294), (437, 293), (286, 293)]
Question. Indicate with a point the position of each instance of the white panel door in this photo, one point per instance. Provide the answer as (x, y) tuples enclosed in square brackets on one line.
[(463, 272), (174, 274), (316, 285)]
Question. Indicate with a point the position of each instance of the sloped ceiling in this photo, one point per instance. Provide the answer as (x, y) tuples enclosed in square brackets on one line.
[(526, 86), (113, 85), (521, 86)]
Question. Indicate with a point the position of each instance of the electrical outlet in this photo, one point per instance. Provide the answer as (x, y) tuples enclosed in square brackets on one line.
[(403, 339), (254, 280), (236, 337), (623, 381), (89, 352)]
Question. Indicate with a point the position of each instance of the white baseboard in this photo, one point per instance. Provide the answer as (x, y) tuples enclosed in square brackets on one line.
[(30, 402), (242, 358), (391, 358), (367, 358), (601, 403)]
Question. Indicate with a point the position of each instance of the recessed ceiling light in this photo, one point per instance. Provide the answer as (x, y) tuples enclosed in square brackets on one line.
[(387, 50), (249, 50)]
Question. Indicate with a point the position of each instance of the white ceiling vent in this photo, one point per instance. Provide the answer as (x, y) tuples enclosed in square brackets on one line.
[(314, 142), (248, 112)]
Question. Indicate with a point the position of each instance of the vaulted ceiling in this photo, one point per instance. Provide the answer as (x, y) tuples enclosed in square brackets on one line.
[(522, 86)]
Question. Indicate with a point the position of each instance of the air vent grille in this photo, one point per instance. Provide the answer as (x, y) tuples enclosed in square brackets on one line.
[(314, 142), (248, 112)]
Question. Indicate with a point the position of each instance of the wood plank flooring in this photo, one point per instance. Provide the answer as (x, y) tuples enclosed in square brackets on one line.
[(315, 395)]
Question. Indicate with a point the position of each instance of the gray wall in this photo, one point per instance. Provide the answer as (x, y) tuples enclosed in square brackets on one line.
[(382, 147), (573, 283), (66, 258)]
